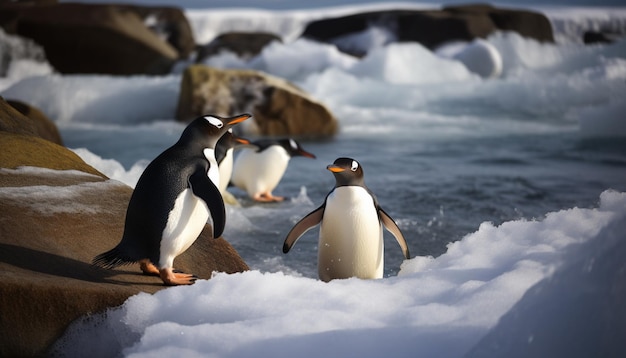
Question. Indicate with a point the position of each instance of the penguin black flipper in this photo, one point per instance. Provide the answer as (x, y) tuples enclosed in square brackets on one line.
[(204, 188), (391, 226), (305, 224)]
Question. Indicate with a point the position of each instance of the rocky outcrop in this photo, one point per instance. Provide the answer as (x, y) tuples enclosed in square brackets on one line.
[(19, 117), (431, 28), (279, 108), (169, 23), (601, 37), (527, 23), (107, 39), (56, 214), (244, 44)]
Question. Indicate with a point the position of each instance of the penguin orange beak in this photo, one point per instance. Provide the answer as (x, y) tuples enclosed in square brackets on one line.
[(335, 169), (304, 153), (242, 140), (239, 119)]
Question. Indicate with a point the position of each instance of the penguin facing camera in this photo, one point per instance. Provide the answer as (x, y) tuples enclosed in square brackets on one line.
[(351, 231), (172, 201), (258, 171)]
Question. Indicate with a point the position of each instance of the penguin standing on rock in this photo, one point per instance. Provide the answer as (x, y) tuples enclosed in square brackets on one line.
[(172, 201), (351, 232), (258, 171)]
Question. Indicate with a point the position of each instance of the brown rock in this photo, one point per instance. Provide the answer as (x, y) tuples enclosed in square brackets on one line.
[(11, 120), (243, 44), (279, 108), (432, 28), (52, 224), (85, 38), (527, 23), (44, 127), (27, 150), (169, 23)]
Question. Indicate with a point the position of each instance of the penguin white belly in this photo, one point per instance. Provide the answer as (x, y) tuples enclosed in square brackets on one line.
[(260, 172), (351, 237), (213, 172), (226, 170), (184, 224)]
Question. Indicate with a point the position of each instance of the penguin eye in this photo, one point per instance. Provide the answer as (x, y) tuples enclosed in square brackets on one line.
[(355, 166), (214, 121), (293, 144)]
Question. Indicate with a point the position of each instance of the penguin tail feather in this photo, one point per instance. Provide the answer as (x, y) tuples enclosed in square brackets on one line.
[(111, 259)]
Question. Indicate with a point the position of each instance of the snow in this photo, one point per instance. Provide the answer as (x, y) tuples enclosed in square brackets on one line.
[(435, 307), (45, 199)]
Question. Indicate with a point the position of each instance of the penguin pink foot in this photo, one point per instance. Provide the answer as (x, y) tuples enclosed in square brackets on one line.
[(172, 278), (267, 198), (148, 268)]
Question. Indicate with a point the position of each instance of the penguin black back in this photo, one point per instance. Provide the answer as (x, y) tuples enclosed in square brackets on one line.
[(163, 208), (290, 145)]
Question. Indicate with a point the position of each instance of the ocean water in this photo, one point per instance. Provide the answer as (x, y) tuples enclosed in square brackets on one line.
[(452, 157), (442, 148)]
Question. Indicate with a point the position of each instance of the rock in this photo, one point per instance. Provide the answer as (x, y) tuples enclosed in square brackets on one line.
[(243, 44), (527, 23), (19, 117), (57, 213), (170, 24), (10, 12), (11, 120), (432, 28), (44, 127), (106, 39), (600, 37), (279, 108), (27, 150)]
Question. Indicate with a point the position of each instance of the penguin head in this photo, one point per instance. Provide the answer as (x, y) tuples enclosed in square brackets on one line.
[(347, 171), (294, 149), (227, 142), (205, 131)]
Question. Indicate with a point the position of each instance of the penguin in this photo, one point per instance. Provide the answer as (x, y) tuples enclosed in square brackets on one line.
[(224, 155), (351, 231), (172, 201), (258, 171)]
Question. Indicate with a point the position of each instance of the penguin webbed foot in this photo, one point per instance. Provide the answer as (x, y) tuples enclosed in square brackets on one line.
[(148, 268), (173, 277), (267, 198)]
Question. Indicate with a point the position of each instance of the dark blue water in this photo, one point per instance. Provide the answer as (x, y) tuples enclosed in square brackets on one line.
[(437, 191)]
